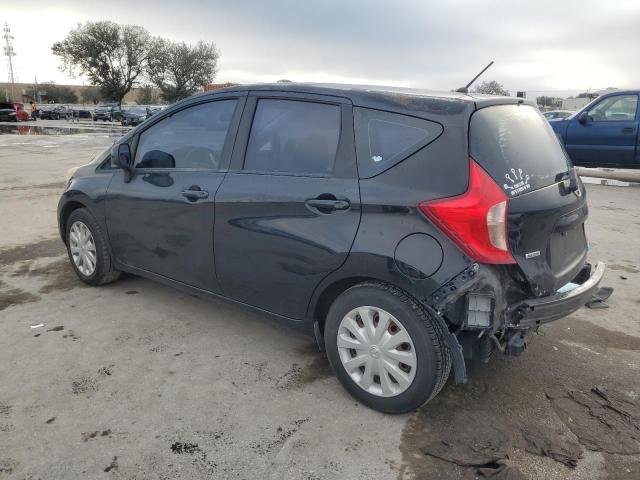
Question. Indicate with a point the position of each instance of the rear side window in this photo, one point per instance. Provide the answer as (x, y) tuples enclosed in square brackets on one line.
[(191, 138), (383, 139), (517, 147), (290, 136)]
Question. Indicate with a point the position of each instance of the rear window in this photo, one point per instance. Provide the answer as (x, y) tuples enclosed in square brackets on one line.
[(384, 139), (517, 147)]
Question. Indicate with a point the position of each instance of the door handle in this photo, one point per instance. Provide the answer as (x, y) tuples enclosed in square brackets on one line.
[(628, 130), (328, 205), (195, 193)]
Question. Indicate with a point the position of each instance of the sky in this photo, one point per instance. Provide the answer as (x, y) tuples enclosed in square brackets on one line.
[(551, 47)]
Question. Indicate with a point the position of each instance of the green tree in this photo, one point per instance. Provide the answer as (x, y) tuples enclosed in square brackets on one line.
[(491, 87), (179, 70), (147, 96), (49, 92), (112, 56)]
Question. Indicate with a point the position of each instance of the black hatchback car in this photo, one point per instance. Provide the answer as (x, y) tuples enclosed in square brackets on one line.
[(408, 231)]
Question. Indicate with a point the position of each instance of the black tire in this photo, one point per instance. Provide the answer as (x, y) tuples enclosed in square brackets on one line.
[(433, 358), (103, 272)]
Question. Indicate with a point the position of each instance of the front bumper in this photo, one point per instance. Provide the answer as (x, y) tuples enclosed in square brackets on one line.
[(537, 311)]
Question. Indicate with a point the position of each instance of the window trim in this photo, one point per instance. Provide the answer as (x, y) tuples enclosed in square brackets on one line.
[(317, 100), (227, 147)]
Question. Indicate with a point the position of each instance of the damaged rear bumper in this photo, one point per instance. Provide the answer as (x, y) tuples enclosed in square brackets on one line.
[(537, 311)]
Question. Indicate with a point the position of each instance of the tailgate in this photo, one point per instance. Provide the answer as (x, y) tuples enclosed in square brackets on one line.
[(546, 208)]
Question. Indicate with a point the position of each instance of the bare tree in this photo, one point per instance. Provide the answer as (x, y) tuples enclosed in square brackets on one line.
[(491, 88), (112, 56), (180, 70), (91, 94)]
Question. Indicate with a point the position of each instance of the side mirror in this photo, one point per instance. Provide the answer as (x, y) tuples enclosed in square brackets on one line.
[(121, 157), (583, 118), (157, 159)]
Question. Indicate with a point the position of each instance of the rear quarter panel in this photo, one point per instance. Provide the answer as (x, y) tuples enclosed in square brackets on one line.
[(390, 214)]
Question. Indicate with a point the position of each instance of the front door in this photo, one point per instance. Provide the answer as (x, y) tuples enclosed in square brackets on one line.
[(609, 135), (289, 208), (162, 220)]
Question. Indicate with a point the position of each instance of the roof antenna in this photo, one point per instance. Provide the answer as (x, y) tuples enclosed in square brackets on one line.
[(465, 89)]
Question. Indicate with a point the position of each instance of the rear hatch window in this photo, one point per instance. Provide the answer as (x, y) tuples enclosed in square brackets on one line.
[(517, 147)]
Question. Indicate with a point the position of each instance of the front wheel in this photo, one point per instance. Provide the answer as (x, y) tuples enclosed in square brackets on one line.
[(385, 349), (88, 250)]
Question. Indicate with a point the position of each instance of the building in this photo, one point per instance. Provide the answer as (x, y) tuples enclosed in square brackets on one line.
[(216, 86), (575, 104), (21, 90)]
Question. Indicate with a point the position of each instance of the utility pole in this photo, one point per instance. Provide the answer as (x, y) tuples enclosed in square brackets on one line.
[(9, 52), (36, 93)]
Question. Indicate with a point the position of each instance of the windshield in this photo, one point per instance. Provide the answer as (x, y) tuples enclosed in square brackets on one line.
[(137, 111), (517, 147)]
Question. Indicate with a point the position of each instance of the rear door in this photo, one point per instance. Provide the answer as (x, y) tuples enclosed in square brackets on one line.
[(289, 208), (517, 147), (162, 220), (609, 136)]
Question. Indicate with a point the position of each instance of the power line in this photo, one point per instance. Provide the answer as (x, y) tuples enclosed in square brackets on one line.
[(9, 52)]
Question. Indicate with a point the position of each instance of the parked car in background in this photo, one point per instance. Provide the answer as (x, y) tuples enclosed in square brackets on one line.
[(156, 108), (605, 132), (133, 116), (108, 113), (52, 112), (13, 112), (557, 114), (83, 112), (406, 230)]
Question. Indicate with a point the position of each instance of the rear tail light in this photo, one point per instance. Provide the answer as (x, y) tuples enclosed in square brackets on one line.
[(476, 220)]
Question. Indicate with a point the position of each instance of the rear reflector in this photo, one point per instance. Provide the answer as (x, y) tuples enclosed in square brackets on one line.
[(476, 220)]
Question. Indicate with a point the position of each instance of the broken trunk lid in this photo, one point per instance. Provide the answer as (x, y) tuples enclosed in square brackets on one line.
[(547, 237)]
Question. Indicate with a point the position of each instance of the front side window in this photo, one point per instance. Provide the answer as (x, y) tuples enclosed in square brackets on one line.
[(384, 139), (191, 138), (290, 136), (617, 108)]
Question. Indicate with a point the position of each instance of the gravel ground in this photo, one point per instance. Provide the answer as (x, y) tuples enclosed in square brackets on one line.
[(138, 381)]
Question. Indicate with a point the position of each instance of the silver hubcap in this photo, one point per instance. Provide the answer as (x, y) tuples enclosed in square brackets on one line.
[(376, 351), (83, 248)]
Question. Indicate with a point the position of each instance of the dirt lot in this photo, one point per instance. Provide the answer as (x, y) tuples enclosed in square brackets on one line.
[(135, 380)]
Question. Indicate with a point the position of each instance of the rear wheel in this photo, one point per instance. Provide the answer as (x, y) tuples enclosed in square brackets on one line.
[(385, 349), (88, 250)]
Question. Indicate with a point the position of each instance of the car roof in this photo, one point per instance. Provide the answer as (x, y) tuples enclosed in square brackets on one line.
[(363, 95)]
